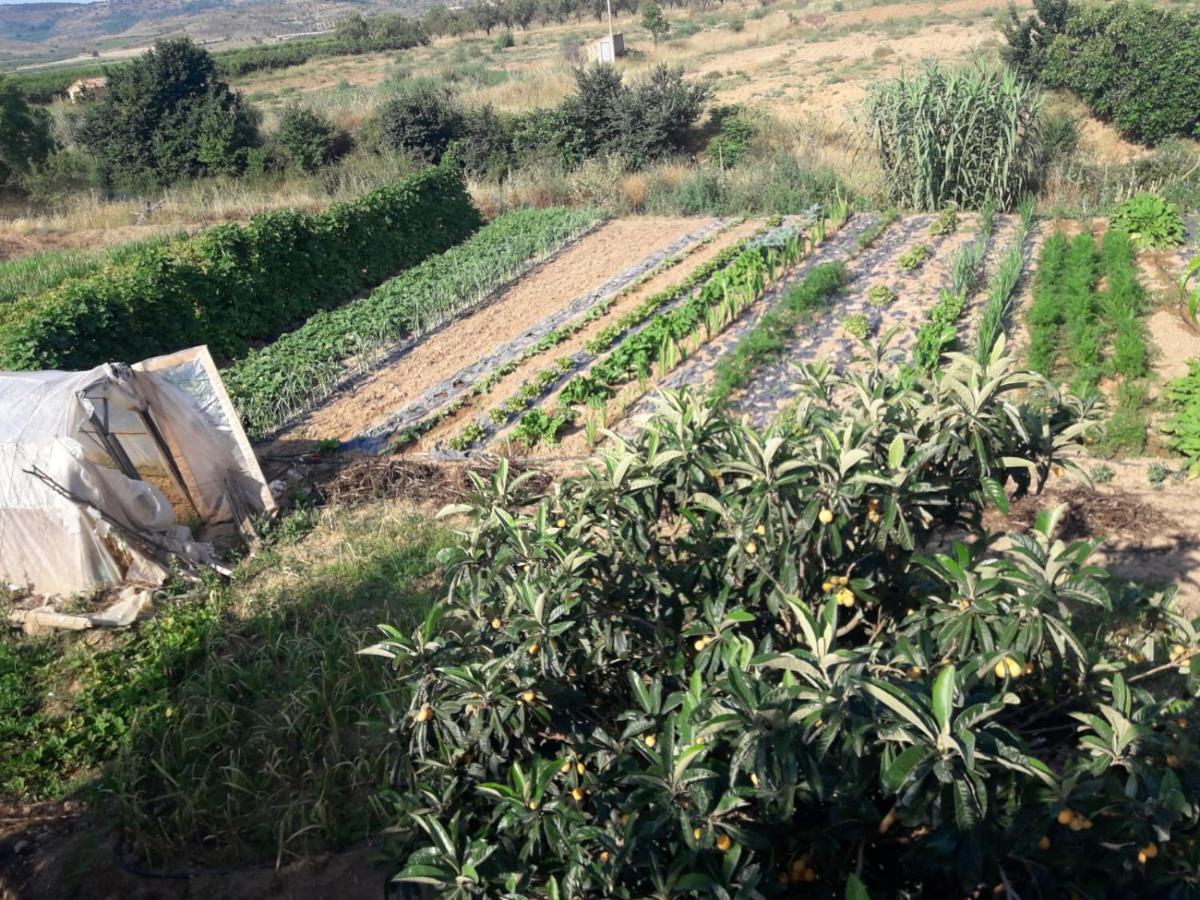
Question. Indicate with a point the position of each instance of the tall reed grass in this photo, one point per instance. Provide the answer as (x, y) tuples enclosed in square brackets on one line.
[(959, 136)]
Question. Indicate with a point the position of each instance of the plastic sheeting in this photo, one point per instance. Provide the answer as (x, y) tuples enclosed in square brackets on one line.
[(75, 427)]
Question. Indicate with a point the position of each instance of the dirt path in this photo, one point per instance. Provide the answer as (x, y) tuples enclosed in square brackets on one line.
[(597, 257)]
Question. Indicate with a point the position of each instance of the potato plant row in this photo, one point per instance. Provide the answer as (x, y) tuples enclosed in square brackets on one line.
[(273, 384), (233, 285)]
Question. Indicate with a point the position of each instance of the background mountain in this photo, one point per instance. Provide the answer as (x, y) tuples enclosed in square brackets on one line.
[(29, 31)]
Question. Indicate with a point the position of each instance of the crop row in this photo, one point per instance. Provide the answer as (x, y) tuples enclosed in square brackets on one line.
[(271, 385), (940, 332), (534, 389), (662, 342), (232, 285), (1081, 330), (408, 434), (1002, 287)]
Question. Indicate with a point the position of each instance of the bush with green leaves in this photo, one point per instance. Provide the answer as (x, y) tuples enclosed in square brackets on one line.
[(167, 116), (420, 120), (956, 137), (26, 135), (729, 663), (1134, 64), (307, 138), (1150, 221), (234, 284)]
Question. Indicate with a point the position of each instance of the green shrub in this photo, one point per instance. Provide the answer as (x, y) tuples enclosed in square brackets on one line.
[(1134, 64), (959, 137), (306, 137), (735, 133), (166, 116), (235, 284), (719, 663), (421, 120), (504, 41), (1150, 221), (26, 138)]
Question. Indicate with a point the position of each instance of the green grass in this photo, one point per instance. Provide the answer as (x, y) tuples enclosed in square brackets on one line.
[(39, 272), (229, 727), (768, 338)]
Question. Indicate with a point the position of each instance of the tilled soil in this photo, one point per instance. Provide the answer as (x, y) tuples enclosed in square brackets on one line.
[(592, 260)]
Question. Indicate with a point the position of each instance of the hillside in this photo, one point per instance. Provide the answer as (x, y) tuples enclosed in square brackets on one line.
[(30, 32)]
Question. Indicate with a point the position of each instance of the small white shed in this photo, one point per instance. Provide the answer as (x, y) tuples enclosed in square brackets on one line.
[(607, 49)]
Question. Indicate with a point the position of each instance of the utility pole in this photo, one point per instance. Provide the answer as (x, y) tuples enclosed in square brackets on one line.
[(611, 39)]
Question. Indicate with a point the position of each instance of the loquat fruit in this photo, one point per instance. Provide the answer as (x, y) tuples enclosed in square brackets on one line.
[(825, 516), (724, 842)]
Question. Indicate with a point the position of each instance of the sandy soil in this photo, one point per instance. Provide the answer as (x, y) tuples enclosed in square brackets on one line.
[(1176, 344), (509, 385), (597, 257)]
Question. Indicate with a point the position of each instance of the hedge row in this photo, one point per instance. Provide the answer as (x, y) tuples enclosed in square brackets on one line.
[(274, 383), (236, 284), (1134, 65)]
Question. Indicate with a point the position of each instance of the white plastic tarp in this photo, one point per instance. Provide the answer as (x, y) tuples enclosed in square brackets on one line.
[(73, 427)]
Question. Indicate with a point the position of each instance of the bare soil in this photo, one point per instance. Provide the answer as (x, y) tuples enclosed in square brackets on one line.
[(590, 261)]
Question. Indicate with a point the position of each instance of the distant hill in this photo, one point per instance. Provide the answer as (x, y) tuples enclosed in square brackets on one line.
[(29, 31)]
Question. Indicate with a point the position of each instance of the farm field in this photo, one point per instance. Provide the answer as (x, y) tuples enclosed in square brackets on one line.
[(765, 467)]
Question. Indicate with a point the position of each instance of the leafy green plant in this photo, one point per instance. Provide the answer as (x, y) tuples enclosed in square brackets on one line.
[(538, 427), (880, 296), (716, 663), (1157, 474), (1150, 221), (468, 435), (913, 259), (856, 325), (946, 222), (956, 137), (1101, 474), (1183, 427)]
